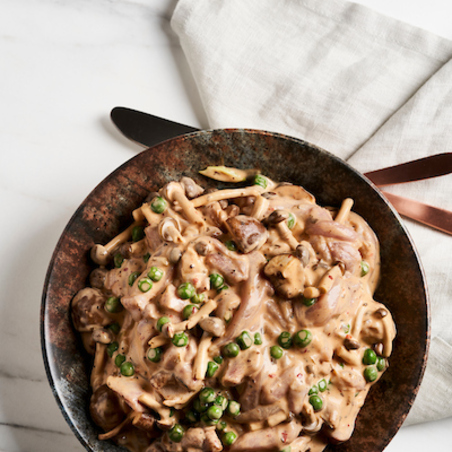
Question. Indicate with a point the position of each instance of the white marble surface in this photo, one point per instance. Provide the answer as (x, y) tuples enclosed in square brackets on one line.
[(63, 66)]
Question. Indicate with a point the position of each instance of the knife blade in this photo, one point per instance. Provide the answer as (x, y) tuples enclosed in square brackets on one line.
[(423, 213), (148, 130)]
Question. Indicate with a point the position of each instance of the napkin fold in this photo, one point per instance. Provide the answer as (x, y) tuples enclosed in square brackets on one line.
[(368, 88)]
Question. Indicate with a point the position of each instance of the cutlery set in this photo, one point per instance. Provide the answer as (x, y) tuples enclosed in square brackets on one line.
[(149, 130)]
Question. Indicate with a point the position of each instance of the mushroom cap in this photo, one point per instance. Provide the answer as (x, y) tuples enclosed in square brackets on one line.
[(100, 255)]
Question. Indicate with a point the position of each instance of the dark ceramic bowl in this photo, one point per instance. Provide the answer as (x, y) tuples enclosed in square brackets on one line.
[(107, 211)]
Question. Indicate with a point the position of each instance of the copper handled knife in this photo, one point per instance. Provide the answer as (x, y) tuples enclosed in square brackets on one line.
[(148, 130)]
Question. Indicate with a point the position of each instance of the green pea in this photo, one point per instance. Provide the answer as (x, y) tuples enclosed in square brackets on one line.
[(302, 338), (323, 385), (233, 408), (244, 340), (365, 267), (218, 359), (133, 277), (199, 406), (231, 245), (260, 180), (286, 449), (114, 328), (225, 287), (370, 357), (381, 364), (370, 374), (180, 339), (189, 310), (207, 395), (161, 321), (214, 412), (221, 426), (137, 233), (186, 291), (216, 281), (158, 204), (118, 259), (154, 354), (119, 360), (212, 367), (285, 340), (176, 433), (111, 348), (309, 301), (155, 274), (276, 352), (207, 420), (316, 402), (145, 284), (113, 305), (291, 221), (257, 339), (127, 369), (314, 390), (192, 416), (222, 402), (197, 298), (231, 350), (229, 438), (146, 257)]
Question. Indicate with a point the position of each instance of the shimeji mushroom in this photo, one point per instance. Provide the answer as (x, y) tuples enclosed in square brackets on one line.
[(175, 192), (101, 254), (169, 230), (345, 209)]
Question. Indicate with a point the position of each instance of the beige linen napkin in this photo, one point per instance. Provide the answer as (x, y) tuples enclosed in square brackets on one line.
[(366, 87)]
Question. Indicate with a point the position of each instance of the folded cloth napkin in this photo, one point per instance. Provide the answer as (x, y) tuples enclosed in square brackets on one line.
[(366, 87)]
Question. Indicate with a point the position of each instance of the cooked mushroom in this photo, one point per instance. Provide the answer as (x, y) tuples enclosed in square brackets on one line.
[(286, 273), (213, 325), (102, 254), (247, 232), (192, 189)]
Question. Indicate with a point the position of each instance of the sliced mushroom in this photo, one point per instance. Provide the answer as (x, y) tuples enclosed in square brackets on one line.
[(169, 230), (97, 278), (249, 233), (286, 273)]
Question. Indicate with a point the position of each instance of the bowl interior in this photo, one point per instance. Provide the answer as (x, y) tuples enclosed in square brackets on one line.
[(107, 211)]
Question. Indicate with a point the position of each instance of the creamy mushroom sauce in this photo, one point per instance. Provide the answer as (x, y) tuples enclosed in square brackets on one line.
[(267, 261)]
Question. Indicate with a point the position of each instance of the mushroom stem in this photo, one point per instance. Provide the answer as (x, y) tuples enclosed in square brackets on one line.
[(117, 429), (101, 254), (158, 341), (345, 209), (286, 234), (327, 281), (260, 207), (187, 206), (226, 194), (201, 359)]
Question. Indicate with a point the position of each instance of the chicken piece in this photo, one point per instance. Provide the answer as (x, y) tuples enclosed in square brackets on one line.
[(170, 301), (295, 192), (192, 189), (249, 363), (233, 270), (286, 274), (105, 409), (88, 310), (249, 233), (269, 439), (200, 439), (193, 270)]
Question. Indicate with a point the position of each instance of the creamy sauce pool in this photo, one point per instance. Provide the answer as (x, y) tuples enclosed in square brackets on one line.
[(237, 320)]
